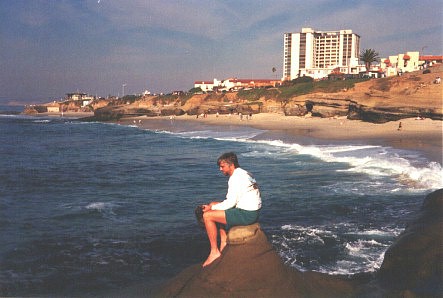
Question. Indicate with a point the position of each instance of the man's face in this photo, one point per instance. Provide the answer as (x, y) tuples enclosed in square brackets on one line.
[(226, 168)]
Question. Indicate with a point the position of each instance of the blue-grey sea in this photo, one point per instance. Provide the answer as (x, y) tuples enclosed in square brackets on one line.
[(87, 208)]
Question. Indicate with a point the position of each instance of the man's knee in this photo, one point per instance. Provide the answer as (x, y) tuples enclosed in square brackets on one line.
[(213, 215), (207, 215)]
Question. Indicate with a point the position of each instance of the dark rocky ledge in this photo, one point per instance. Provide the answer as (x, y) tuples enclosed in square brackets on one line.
[(413, 264), (250, 267)]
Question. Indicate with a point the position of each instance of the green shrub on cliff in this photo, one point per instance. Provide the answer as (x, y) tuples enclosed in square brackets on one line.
[(335, 86), (296, 90), (257, 93), (195, 90), (304, 79), (326, 86), (296, 87)]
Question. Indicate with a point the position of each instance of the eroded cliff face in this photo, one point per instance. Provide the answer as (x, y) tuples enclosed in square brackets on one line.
[(377, 100)]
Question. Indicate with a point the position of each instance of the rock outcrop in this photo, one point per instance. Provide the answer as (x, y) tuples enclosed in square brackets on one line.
[(325, 107), (250, 267), (34, 110), (414, 263), (377, 101), (386, 114)]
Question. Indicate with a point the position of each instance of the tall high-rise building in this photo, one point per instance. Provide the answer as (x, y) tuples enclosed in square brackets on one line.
[(318, 53)]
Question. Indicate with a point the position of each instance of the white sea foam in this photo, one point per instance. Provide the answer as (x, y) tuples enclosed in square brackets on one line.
[(349, 267), (363, 254), (222, 135), (97, 205), (375, 161), (42, 121), (378, 161), (102, 207), (387, 232), (17, 116), (408, 168), (359, 247), (10, 116)]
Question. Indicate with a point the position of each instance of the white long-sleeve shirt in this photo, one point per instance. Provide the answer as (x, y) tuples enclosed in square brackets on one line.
[(243, 192)]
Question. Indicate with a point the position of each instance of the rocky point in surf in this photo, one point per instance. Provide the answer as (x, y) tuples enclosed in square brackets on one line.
[(250, 267)]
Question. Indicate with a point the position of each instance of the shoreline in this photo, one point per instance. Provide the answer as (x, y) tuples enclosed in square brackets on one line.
[(424, 135), (75, 115)]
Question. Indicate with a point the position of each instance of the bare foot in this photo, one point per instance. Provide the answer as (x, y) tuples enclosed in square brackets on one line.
[(222, 246), (212, 257)]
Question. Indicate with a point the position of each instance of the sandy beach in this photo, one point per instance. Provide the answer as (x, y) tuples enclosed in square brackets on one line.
[(421, 135)]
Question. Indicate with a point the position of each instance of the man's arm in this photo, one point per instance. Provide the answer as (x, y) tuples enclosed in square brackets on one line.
[(226, 204), (208, 206), (234, 191)]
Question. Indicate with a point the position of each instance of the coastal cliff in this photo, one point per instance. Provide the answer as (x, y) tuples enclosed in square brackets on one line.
[(250, 267), (375, 100)]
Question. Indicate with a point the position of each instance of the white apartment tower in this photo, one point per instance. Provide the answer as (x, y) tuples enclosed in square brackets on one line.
[(318, 53)]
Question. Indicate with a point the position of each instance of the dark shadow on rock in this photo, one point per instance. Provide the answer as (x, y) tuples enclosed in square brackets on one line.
[(413, 264)]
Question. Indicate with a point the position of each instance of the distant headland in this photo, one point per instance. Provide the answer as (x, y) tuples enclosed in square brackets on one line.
[(414, 94)]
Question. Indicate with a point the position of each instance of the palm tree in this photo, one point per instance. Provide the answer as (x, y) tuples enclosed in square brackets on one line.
[(368, 56), (274, 70)]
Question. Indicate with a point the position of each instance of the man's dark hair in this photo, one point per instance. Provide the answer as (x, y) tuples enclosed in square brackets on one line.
[(230, 158), (199, 215)]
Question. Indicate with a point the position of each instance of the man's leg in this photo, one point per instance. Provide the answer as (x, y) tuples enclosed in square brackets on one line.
[(211, 218), (223, 237)]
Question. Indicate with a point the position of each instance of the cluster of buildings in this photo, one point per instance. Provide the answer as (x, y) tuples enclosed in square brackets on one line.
[(79, 96), (234, 84), (407, 62), (83, 99), (319, 54)]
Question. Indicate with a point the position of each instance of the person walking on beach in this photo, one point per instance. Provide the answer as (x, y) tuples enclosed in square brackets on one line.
[(241, 206)]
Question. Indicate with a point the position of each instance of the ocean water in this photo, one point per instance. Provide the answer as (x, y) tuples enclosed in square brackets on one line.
[(88, 208)]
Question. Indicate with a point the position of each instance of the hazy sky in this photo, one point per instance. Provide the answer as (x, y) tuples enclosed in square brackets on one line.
[(52, 47)]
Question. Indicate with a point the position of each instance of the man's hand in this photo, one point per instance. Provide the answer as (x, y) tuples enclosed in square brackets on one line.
[(206, 208)]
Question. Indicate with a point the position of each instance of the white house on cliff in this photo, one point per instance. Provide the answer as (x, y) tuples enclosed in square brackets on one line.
[(234, 84)]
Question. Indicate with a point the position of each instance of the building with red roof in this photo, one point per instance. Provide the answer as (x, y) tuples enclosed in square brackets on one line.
[(234, 84)]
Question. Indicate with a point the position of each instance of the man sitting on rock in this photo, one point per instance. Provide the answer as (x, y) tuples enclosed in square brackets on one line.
[(241, 206)]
